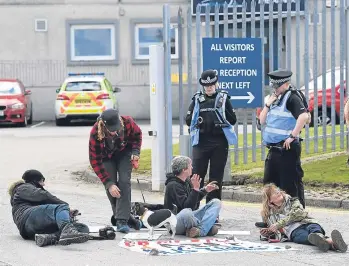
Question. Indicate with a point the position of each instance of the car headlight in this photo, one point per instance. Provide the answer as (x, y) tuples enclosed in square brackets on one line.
[(17, 106)]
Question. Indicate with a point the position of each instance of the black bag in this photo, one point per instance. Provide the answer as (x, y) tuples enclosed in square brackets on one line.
[(301, 95)]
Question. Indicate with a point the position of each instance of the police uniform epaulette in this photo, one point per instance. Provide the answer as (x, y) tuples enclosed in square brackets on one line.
[(198, 93)]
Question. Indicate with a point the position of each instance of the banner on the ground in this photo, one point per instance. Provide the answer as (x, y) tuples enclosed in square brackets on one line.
[(192, 246)]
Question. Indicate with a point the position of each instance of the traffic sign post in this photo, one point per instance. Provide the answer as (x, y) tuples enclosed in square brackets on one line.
[(238, 62)]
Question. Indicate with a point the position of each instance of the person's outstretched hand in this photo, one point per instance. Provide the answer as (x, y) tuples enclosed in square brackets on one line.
[(211, 186), (196, 181)]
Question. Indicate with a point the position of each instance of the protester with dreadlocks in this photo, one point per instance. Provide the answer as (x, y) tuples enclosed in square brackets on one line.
[(114, 148), (41, 216)]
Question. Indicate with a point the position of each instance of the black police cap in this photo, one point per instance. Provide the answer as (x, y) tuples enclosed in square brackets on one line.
[(208, 77), (280, 77)]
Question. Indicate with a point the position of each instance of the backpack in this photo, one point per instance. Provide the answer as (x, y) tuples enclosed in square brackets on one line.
[(301, 95)]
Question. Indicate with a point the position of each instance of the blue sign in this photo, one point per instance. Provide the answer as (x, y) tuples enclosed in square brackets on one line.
[(211, 3), (238, 62)]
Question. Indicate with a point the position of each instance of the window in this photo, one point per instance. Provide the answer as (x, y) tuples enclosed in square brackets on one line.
[(9, 88), (92, 41), (328, 80), (149, 34), (83, 86), (41, 25)]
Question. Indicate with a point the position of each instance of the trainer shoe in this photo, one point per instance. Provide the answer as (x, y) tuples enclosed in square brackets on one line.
[(122, 227), (70, 235), (338, 242), (319, 241), (42, 240)]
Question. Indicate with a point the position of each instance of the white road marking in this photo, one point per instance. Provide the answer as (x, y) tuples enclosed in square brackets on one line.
[(37, 125)]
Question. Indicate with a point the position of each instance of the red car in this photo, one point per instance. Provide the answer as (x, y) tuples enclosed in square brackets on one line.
[(328, 96), (319, 97), (16, 106)]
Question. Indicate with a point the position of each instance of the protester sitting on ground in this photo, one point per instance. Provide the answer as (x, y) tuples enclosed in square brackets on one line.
[(41, 216), (186, 194), (286, 215)]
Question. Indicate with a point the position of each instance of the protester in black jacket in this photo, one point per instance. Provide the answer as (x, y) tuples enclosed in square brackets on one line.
[(186, 194), (41, 216)]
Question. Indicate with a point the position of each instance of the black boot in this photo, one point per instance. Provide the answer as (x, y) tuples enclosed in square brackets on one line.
[(70, 235), (134, 223), (42, 240)]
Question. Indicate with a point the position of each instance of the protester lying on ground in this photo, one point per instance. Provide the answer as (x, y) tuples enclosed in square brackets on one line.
[(186, 194), (286, 215), (41, 216), (114, 149)]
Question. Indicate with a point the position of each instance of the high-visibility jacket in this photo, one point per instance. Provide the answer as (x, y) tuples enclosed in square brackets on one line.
[(220, 113)]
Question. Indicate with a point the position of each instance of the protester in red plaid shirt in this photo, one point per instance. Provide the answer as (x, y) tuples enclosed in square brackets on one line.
[(114, 149)]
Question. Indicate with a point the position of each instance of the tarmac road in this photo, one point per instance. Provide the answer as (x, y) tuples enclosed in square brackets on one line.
[(58, 151)]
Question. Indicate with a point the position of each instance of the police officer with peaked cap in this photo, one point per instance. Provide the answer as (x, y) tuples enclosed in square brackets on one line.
[(210, 119), (283, 117)]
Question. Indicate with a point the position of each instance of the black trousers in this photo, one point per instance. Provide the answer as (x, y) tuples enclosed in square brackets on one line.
[(283, 168), (214, 150), (119, 169)]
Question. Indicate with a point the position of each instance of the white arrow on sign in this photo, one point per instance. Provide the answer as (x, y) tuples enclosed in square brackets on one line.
[(250, 97)]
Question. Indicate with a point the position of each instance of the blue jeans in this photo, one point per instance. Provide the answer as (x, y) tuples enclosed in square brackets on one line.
[(203, 218), (300, 235), (46, 219)]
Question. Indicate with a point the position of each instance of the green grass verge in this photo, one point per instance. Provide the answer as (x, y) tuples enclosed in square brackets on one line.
[(145, 161), (327, 171)]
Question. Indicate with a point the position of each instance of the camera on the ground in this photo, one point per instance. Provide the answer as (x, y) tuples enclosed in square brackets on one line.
[(107, 232)]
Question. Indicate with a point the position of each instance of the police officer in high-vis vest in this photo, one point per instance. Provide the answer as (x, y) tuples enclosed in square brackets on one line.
[(210, 119), (282, 118)]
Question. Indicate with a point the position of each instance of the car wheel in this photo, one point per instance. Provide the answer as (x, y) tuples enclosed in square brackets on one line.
[(30, 120), (61, 122), (258, 124), (25, 123), (320, 118)]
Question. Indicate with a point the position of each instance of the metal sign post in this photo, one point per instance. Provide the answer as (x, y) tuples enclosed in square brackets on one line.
[(157, 116)]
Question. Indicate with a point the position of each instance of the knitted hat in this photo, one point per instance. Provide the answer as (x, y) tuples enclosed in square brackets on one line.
[(32, 176)]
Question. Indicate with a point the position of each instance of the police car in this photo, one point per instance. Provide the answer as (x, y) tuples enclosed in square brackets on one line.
[(84, 96)]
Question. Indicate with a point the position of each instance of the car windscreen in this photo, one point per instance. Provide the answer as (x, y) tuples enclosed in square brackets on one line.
[(328, 81), (9, 88), (83, 86)]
